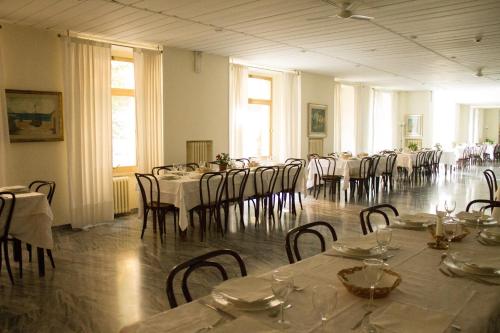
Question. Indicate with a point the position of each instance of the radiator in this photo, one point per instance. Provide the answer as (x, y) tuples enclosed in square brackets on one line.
[(316, 146), (121, 195), (197, 151)]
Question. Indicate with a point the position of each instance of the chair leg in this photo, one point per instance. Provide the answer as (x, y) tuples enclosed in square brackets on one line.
[(49, 254), (7, 262), (19, 256), (144, 224), (28, 248)]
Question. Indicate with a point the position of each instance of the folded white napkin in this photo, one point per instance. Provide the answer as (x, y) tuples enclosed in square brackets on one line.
[(397, 318), (15, 189), (493, 232), (418, 218), (248, 289), (244, 324)]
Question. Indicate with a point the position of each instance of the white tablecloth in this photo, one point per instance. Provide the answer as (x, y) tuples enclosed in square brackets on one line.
[(344, 168), (450, 157), (473, 306), (32, 220), (184, 193), (407, 161)]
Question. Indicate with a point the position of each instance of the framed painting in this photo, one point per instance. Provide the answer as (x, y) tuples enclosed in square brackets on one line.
[(414, 126), (317, 114), (34, 115)]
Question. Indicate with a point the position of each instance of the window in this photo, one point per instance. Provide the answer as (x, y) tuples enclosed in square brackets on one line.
[(383, 121), (347, 116), (123, 113), (257, 121)]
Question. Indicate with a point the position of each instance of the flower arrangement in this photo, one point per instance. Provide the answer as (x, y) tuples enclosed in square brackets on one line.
[(413, 146), (223, 159), (488, 141)]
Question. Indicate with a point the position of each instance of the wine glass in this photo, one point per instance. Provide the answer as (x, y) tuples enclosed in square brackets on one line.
[(450, 230), (439, 211), (202, 164), (373, 269), (324, 300), (384, 236), (282, 285), (450, 206)]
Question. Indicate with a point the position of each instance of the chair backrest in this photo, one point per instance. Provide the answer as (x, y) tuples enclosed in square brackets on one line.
[(191, 265), (292, 236), (244, 161), (149, 188), (191, 166), (365, 167), (437, 156), (6, 210), (45, 186), (420, 160), (364, 216), (311, 156), (491, 180), (375, 162), (211, 188), (264, 180), (302, 161), (390, 162), (236, 182), (289, 176), (156, 170), (325, 166), (487, 204)]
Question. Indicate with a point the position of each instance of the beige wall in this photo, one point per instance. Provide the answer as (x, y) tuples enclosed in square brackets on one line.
[(317, 89), (32, 60), (417, 102), (196, 104), (490, 124)]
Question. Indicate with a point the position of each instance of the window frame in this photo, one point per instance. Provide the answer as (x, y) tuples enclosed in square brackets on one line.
[(268, 103), (127, 169)]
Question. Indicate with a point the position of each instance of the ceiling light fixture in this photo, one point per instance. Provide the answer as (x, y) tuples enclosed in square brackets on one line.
[(479, 72), (478, 38)]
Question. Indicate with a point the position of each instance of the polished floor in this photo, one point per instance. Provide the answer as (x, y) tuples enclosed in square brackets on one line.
[(107, 277)]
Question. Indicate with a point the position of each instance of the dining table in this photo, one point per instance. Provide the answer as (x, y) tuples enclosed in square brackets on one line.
[(182, 189), (31, 221), (426, 300)]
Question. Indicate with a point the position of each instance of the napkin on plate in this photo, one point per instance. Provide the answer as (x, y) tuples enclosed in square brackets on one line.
[(418, 218), (407, 318), (244, 324), (248, 289)]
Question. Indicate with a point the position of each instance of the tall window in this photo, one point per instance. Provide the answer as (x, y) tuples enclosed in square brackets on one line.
[(123, 113), (382, 121), (347, 116), (257, 122)]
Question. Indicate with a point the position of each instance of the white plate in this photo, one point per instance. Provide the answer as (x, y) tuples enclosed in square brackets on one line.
[(462, 262), (357, 253), (15, 189), (248, 290), (244, 306), (488, 238), (418, 219)]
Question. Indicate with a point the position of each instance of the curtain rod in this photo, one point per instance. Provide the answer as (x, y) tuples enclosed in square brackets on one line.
[(108, 41)]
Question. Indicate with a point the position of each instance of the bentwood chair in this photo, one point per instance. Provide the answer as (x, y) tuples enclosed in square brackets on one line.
[(150, 195), (362, 180), (211, 189), (485, 204), (303, 163), (236, 182), (203, 261), (387, 175), (289, 176), (49, 188), (365, 214), (436, 161), (7, 205), (375, 179), (292, 238), (242, 162), (491, 180), (160, 169), (264, 182), (325, 169)]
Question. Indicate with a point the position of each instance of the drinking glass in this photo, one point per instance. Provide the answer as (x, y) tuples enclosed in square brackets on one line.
[(384, 236), (450, 230), (373, 269), (202, 164), (439, 211), (282, 286), (450, 206), (324, 300)]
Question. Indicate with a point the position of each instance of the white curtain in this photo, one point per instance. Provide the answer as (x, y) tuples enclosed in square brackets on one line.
[(4, 128), (383, 121), (238, 106), (363, 118), (286, 116), (87, 105), (149, 108), (347, 118), (337, 117)]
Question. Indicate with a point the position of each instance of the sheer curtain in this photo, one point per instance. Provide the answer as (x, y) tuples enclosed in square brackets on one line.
[(87, 105), (383, 122), (337, 117), (4, 129), (149, 108), (238, 106), (286, 116)]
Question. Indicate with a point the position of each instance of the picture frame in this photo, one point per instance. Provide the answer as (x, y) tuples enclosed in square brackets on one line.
[(414, 126), (34, 116), (317, 120)]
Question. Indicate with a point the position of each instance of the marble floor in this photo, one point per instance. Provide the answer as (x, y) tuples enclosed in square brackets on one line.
[(107, 277)]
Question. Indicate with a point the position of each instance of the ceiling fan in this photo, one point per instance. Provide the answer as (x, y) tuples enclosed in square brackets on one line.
[(345, 11)]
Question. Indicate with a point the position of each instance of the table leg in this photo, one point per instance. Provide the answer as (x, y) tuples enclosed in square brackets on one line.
[(41, 261)]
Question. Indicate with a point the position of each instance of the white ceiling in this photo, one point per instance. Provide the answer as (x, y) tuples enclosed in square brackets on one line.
[(411, 44)]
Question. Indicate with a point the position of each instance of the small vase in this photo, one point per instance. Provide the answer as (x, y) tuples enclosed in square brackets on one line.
[(222, 167)]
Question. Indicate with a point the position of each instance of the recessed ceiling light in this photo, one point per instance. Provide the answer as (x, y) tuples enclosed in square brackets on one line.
[(478, 38)]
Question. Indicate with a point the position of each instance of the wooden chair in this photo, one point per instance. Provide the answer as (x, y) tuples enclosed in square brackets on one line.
[(7, 211), (375, 179), (264, 181), (289, 176), (325, 169), (243, 162), (364, 216), (193, 264), (387, 175), (236, 182), (150, 196), (487, 204), (436, 161), (211, 189), (362, 180), (303, 163), (491, 180), (292, 237), (157, 170)]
